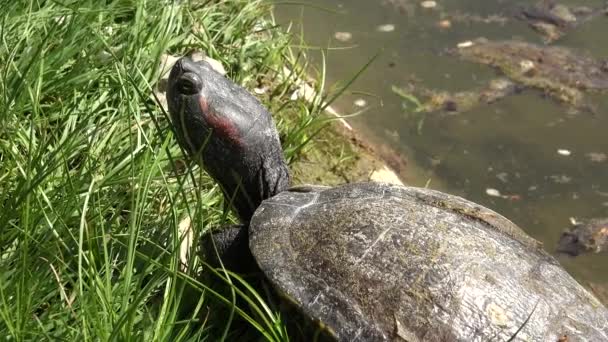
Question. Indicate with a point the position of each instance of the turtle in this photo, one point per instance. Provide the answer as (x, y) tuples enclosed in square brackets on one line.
[(589, 236), (372, 261)]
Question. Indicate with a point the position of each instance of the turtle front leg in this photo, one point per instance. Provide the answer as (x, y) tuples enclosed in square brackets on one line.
[(229, 247)]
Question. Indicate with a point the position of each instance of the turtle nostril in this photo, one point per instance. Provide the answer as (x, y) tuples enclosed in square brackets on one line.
[(185, 64), (179, 66)]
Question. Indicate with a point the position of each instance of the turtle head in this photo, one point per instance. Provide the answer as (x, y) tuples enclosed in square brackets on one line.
[(226, 129)]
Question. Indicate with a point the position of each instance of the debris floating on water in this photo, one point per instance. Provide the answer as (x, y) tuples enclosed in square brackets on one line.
[(428, 4), (343, 36), (597, 157), (466, 44), (360, 103), (386, 28), (564, 152), (503, 176), (561, 179), (493, 192), (444, 24)]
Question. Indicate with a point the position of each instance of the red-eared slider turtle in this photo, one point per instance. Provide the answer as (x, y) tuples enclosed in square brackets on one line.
[(371, 261), (590, 236)]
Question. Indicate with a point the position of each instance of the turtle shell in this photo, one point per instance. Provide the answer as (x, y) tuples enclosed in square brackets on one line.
[(374, 261)]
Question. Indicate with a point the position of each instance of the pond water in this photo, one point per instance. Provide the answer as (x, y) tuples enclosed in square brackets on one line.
[(510, 145)]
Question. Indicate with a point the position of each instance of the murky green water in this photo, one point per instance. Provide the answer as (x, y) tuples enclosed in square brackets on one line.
[(510, 145)]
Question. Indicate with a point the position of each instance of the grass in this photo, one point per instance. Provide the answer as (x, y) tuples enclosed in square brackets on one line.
[(418, 109), (93, 186)]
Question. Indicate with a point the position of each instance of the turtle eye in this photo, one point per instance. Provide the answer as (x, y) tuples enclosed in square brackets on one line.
[(186, 86)]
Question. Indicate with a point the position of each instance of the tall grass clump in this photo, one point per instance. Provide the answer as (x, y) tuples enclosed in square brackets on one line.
[(93, 186)]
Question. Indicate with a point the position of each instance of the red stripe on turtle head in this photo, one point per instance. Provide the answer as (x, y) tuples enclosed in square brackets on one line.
[(221, 126)]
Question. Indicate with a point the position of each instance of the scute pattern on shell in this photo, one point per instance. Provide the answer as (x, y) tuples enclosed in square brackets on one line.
[(382, 262)]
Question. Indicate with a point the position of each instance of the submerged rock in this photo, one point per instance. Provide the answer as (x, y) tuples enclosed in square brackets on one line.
[(553, 20), (465, 101), (559, 72)]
